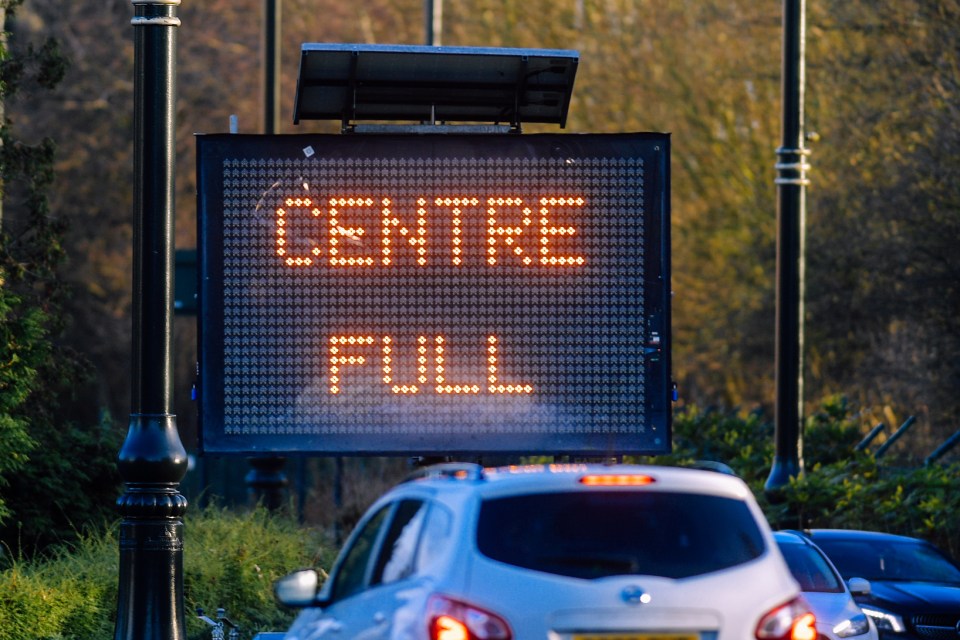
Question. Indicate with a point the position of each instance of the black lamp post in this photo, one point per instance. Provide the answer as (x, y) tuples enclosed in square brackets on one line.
[(152, 461), (791, 184)]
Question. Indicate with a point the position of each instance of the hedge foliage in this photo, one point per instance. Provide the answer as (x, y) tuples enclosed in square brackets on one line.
[(231, 559), (840, 488), (56, 470)]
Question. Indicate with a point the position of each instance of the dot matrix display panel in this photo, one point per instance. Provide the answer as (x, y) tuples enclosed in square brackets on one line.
[(434, 294)]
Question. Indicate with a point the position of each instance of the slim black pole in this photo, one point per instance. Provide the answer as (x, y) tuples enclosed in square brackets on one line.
[(432, 22), (152, 461), (791, 184), (271, 66)]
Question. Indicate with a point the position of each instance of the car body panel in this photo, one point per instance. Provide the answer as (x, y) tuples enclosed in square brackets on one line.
[(934, 598), (831, 611), (703, 604), (387, 612), (725, 604), (929, 610), (823, 587)]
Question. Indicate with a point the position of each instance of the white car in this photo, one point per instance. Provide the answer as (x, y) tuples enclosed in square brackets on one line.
[(556, 552), (838, 615)]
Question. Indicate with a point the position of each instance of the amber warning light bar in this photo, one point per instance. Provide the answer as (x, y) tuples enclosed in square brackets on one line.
[(616, 480), (434, 294)]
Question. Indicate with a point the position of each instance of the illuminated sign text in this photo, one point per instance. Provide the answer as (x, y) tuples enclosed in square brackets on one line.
[(529, 239), (343, 354), (417, 294)]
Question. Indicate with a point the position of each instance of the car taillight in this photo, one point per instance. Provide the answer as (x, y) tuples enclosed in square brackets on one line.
[(455, 620), (790, 621)]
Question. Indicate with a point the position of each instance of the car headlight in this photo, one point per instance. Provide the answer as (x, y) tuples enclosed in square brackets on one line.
[(854, 626), (885, 620)]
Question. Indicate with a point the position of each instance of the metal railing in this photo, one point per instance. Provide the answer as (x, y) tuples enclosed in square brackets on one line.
[(217, 631), (881, 451)]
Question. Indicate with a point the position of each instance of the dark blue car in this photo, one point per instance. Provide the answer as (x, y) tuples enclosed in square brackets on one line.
[(914, 587)]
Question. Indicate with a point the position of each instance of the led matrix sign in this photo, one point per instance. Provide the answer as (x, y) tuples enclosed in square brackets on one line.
[(422, 294)]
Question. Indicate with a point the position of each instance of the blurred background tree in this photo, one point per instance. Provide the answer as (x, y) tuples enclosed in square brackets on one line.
[(884, 284), (883, 207), (56, 471)]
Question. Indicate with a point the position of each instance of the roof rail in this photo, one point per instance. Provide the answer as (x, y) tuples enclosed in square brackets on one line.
[(448, 470), (803, 535), (712, 465)]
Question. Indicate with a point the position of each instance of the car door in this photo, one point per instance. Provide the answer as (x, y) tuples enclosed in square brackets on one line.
[(367, 586)]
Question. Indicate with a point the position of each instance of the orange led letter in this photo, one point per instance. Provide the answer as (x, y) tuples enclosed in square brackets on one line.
[(416, 239), (341, 354), (509, 236), (296, 233), (388, 361), (549, 233), (342, 239), (442, 385), (456, 206), (494, 385)]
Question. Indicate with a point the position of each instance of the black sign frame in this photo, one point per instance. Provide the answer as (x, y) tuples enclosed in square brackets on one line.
[(238, 178)]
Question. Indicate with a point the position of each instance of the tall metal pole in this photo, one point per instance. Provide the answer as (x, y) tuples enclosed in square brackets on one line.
[(271, 66), (433, 22), (152, 461), (791, 184)]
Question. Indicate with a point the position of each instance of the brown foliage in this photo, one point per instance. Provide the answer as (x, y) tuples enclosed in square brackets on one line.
[(882, 90)]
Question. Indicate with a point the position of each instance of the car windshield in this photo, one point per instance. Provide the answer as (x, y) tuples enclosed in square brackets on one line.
[(605, 533), (810, 568), (886, 560)]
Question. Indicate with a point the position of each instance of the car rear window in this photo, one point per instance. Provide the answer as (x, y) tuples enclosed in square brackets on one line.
[(810, 569), (605, 533)]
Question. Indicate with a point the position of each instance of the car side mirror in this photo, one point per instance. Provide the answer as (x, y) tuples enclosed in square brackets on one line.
[(859, 586), (298, 589)]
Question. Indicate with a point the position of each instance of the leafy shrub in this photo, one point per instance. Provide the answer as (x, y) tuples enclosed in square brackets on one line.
[(70, 482), (23, 349), (860, 494), (230, 560), (55, 472), (840, 488), (744, 443)]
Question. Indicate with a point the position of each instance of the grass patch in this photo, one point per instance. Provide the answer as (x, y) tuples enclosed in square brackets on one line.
[(230, 560)]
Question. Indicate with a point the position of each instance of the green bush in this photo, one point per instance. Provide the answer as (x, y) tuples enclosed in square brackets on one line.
[(840, 488), (70, 482), (744, 443), (69, 594), (230, 560), (56, 471), (860, 494)]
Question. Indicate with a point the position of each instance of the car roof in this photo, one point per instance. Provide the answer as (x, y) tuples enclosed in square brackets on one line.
[(559, 477), (791, 537), (856, 534)]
